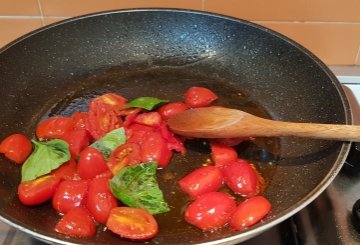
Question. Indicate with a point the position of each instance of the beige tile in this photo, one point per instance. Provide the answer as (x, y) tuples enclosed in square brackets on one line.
[(357, 61), (80, 7), (19, 8), (10, 29), (51, 20), (310, 10), (333, 43)]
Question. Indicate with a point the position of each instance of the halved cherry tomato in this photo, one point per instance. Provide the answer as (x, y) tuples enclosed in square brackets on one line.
[(77, 222), (70, 194), (222, 154), (211, 210), (154, 148), (199, 97), (91, 163), (78, 140), (112, 100), (101, 119), (16, 147), (38, 191), (54, 127), (100, 199), (249, 212), (242, 178), (79, 119), (152, 119), (202, 180), (124, 155), (66, 171), (171, 109), (132, 223)]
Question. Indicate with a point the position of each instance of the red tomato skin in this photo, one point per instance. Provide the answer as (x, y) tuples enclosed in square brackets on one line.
[(100, 200), (202, 180), (16, 147), (172, 142), (78, 140), (222, 154), (154, 148), (136, 133), (210, 211), (91, 163), (152, 119), (171, 109), (132, 223), (125, 155), (250, 212), (38, 191), (77, 222), (54, 127), (70, 194), (66, 171), (242, 178), (196, 97), (79, 119)]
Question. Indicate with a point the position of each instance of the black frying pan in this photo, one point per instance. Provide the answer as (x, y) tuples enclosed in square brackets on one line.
[(58, 69)]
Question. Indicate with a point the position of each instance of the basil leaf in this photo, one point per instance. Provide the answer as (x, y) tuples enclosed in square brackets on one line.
[(46, 157), (107, 144), (147, 103), (136, 186)]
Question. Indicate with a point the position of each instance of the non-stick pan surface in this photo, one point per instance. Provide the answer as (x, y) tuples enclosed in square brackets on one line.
[(58, 69)]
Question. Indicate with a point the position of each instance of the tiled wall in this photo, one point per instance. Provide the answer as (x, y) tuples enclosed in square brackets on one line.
[(329, 28)]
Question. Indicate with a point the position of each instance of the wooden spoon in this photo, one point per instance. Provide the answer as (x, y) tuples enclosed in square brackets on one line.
[(215, 122)]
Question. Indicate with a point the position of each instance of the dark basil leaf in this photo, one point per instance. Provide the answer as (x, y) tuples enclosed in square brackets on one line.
[(147, 103), (46, 157), (107, 144), (136, 186)]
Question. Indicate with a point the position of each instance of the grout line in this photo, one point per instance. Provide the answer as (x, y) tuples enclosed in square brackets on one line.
[(41, 13), (357, 57)]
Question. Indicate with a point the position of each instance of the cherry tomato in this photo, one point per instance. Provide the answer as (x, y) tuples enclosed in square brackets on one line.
[(16, 147), (136, 133), (242, 178), (112, 100), (66, 171), (77, 222), (249, 212), (100, 199), (199, 97), (171, 109), (154, 148), (70, 194), (124, 155), (79, 119), (222, 154), (172, 142), (202, 180), (211, 210), (38, 191), (54, 127), (91, 163), (152, 119), (78, 140), (101, 119), (132, 223)]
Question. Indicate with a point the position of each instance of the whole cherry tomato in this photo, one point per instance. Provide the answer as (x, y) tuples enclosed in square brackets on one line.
[(77, 222), (77, 139), (199, 97), (16, 147), (171, 109), (249, 212), (100, 199), (54, 127), (38, 191), (211, 210), (70, 194), (91, 163), (202, 180), (242, 178), (222, 154), (154, 148), (132, 223)]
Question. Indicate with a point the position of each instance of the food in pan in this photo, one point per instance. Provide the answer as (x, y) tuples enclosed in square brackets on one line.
[(100, 167)]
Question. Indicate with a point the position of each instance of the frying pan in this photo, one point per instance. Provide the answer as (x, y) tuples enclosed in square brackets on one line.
[(161, 52)]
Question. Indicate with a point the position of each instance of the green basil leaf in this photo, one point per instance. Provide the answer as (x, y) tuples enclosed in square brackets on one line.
[(147, 103), (107, 144), (136, 186), (46, 157)]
